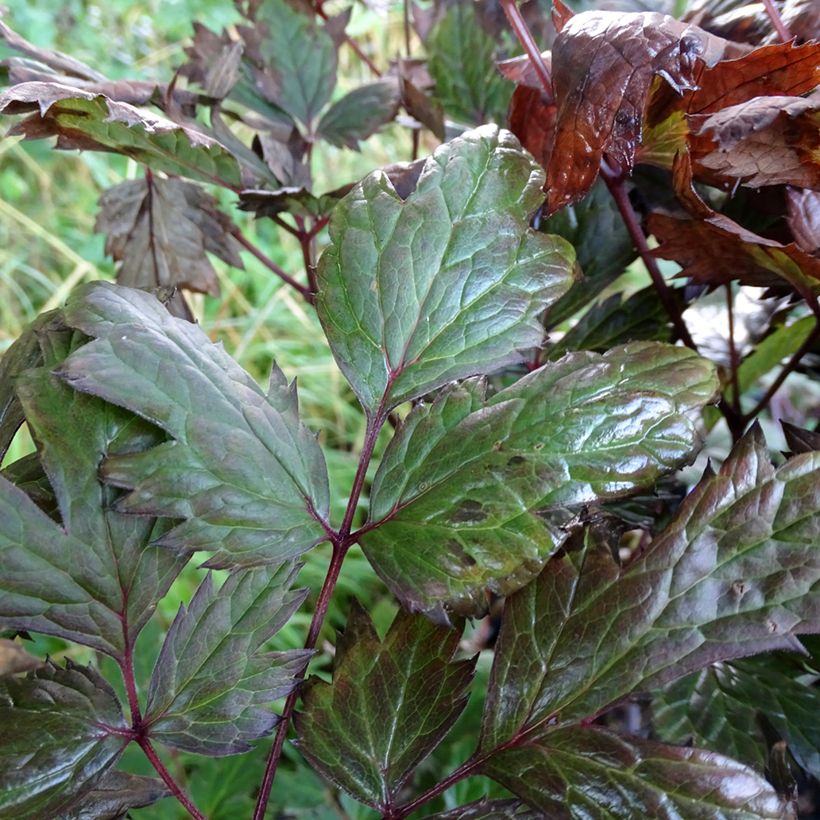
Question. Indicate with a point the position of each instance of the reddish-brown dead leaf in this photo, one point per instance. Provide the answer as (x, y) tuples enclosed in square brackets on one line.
[(714, 250), (782, 69), (804, 218), (765, 141), (561, 15), (532, 119), (603, 66)]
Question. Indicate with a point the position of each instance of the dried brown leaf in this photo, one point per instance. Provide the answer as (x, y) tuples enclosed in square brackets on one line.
[(532, 119), (14, 659), (603, 67), (804, 218)]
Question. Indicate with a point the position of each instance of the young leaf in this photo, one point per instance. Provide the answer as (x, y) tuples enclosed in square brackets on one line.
[(360, 113), (212, 685), (299, 57), (461, 62), (60, 731), (470, 492), (591, 772), (390, 704), (93, 578), (445, 284), (115, 795), (246, 474), (160, 230), (603, 64), (734, 573), (87, 121), (719, 708)]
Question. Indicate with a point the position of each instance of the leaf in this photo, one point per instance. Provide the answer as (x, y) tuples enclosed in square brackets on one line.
[(614, 321), (360, 113), (800, 440), (292, 200), (87, 121), (733, 574), (603, 64), (160, 230), (765, 141), (93, 577), (390, 704), (115, 795), (212, 684), (489, 810), (775, 70), (804, 219), (591, 772), (461, 61), (770, 352), (531, 118), (714, 249), (214, 62), (602, 244), (445, 284), (14, 659), (721, 706), (299, 58), (247, 476), (471, 491), (58, 737)]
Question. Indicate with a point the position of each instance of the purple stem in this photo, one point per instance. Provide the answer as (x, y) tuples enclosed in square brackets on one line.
[(777, 21), (168, 779)]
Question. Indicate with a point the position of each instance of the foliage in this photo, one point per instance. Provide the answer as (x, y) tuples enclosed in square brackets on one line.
[(525, 380)]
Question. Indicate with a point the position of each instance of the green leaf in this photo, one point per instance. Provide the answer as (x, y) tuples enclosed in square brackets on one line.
[(360, 113), (769, 352), (602, 245), (247, 476), (736, 572), (115, 795), (300, 57), (589, 772), (617, 320), (93, 577), (212, 683), (445, 284), (390, 704), (57, 739), (87, 121), (721, 706), (461, 61), (471, 492)]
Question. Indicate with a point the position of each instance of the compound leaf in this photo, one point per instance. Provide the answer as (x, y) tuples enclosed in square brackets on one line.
[(94, 577), (87, 121), (445, 284), (390, 704), (471, 491), (58, 737), (247, 476), (734, 573), (590, 772), (212, 683), (360, 113)]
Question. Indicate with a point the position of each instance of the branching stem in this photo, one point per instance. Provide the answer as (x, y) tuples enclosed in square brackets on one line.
[(168, 779)]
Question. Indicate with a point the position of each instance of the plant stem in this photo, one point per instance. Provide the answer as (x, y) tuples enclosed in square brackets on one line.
[(168, 779), (305, 237), (342, 540), (524, 35), (788, 368), (734, 359), (464, 770), (777, 21), (353, 44), (271, 265)]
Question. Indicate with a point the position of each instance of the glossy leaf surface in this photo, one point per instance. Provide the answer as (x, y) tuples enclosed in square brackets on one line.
[(471, 490), (360, 113), (94, 577), (733, 574), (579, 772), (115, 795), (391, 703), (56, 739), (212, 682), (445, 284), (246, 474)]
